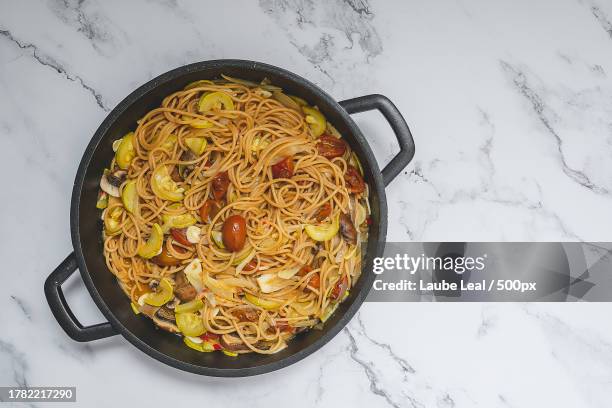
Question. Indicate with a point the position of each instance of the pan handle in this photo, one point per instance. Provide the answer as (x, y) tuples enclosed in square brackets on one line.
[(61, 311), (398, 124)]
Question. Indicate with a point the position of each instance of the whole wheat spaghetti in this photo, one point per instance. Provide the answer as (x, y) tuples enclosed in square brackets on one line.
[(234, 216)]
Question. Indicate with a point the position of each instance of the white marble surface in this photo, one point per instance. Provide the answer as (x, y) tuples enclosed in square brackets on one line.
[(510, 104)]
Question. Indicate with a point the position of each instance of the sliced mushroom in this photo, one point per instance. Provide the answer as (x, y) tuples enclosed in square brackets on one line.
[(117, 178), (172, 304), (347, 229), (109, 183), (148, 310), (164, 319), (183, 289), (176, 175), (166, 313), (233, 343), (186, 169)]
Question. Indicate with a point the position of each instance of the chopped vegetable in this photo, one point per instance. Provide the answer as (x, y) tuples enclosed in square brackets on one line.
[(135, 308), (323, 232), (218, 287), (185, 169), (288, 273), (177, 220), (339, 288), (286, 101), (287, 151), (164, 258), (190, 324), (141, 299), (196, 144), (169, 143), (234, 232), (235, 343), (201, 124), (304, 270), (220, 183), (299, 100), (242, 255), (262, 92), (193, 234), (246, 314), (193, 272), (229, 353), (250, 266), (354, 181), (162, 295), (323, 212), (192, 306), (331, 147), (189, 341), (245, 260), (347, 229), (232, 197), (283, 169), (357, 163), (270, 282), (316, 121), (209, 210), (215, 101), (164, 187), (129, 196), (211, 346), (210, 341), (116, 178), (314, 281), (198, 339), (153, 245), (125, 152), (180, 235), (197, 123), (263, 303), (217, 237), (102, 202), (201, 346), (112, 220), (183, 290), (360, 214), (109, 188), (259, 144)]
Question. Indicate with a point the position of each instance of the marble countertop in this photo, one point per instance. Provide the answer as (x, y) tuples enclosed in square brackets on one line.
[(510, 104)]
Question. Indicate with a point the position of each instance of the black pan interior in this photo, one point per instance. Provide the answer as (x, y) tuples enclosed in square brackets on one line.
[(86, 228)]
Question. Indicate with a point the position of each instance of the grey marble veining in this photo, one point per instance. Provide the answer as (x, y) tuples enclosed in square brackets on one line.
[(340, 27), (511, 108)]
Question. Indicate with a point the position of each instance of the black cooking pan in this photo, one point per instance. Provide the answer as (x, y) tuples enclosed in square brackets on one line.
[(86, 229)]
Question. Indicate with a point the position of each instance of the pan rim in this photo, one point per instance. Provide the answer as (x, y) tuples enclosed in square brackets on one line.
[(91, 148)]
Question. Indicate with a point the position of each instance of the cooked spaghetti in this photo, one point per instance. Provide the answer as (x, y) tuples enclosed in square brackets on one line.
[(234, 216)]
